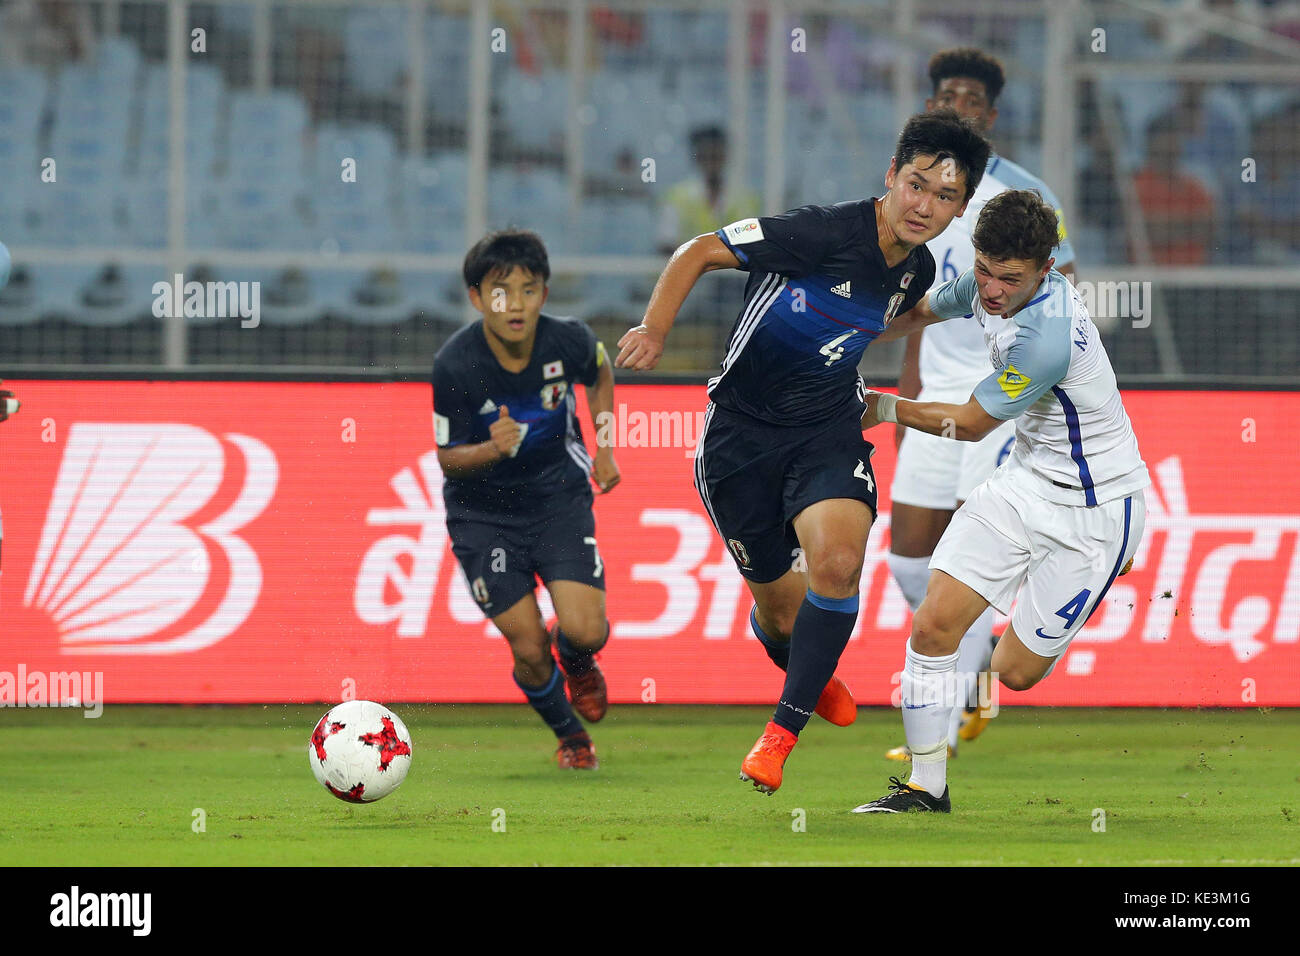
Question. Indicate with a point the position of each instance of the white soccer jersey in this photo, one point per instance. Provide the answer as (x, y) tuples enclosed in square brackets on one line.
[(1051, 373), (953, 355)]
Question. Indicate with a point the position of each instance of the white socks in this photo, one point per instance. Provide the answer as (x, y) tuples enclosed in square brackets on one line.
[(928, 685), (973, 657), (912, 575)]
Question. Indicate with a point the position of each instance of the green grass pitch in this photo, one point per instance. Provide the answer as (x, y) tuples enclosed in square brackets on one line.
[(130, 788)]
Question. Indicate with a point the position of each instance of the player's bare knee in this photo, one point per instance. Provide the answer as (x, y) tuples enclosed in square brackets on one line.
[(836, 572), (589, 630), (784, 625), (1017, 679), (932, 634), (534, 655), (776, 618)]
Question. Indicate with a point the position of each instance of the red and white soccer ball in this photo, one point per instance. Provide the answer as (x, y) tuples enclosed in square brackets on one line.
[(360, 751)]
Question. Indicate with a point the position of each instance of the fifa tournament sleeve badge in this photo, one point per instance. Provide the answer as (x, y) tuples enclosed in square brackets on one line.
[(1013, 382)]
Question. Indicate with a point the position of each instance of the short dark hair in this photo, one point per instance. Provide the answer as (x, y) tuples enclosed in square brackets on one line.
[(1017, 224), (970, 62), (944, 135), (497, 253)]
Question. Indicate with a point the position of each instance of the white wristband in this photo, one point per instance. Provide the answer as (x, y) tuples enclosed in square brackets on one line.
[(886, 407)]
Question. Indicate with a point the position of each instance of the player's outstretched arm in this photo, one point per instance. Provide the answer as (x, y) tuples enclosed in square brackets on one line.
[(641, 347), (969, 422), (600, 398)]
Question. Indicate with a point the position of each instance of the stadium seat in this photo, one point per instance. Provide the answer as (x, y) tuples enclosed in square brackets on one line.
[(22, 101), (375, 49), (702, 95), (446, 72), (627, 111), (258, 215), (146, 212), (72, 214), (357, 215), (266, 137), (431, 203), (203, 97), (527, 198), (533, 108)]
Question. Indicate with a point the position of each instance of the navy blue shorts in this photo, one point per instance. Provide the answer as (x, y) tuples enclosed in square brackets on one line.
[(502, 561), (754, 478)]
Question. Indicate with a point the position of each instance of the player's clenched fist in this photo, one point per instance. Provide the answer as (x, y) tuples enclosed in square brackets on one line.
[(605, 472), (639, 348), (505, 433)]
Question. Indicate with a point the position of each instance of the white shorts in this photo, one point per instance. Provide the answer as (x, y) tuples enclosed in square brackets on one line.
[(936, 472), (1066, 556)]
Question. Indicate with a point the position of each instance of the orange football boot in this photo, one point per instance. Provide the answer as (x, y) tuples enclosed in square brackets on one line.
[(577, 752), (587, 693), (836, 704), (764, 763)]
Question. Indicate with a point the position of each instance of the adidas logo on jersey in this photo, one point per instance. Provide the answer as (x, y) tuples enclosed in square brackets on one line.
[(488, 406), (842, 289)]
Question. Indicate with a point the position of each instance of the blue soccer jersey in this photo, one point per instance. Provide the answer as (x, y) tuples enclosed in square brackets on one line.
[(819, 291), (552, 465)]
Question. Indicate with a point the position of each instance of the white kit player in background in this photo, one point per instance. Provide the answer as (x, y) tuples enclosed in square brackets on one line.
[(1057, 523), (934, 475)]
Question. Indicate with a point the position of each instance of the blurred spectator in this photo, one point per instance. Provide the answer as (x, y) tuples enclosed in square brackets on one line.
[(1266, 217), (706, 201), (1100, 205), (1177, 208), (46, 34), (1214, 131), (318, 56), (840, 66)]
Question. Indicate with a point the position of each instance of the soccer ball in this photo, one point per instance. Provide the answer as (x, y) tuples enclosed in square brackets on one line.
[(360, 751)]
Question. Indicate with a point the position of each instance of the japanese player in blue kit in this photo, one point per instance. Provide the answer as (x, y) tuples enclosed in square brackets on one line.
[(518, 479), (781, 463)]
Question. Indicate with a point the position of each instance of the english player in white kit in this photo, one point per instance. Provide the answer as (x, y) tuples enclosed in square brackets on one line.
[(935, 475), (1057, 522)]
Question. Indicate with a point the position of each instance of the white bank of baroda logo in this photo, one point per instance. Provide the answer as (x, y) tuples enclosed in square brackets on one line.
[(119, 561)]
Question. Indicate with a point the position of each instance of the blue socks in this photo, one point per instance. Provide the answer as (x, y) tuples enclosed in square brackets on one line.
[(552, 705), (778, 651), (576, 660), (821, 632)]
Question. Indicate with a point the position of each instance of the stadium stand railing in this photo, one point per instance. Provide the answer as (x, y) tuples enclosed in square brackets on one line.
[(575, 118)]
